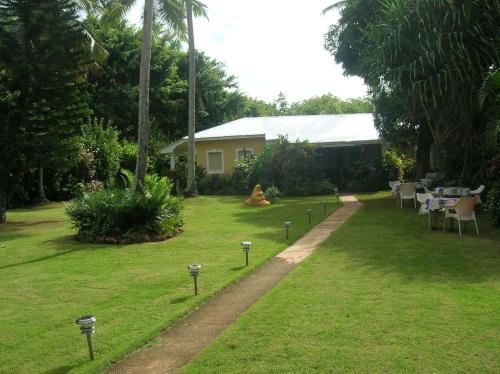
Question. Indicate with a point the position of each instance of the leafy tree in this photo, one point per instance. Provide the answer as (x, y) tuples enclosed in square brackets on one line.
[(432, 57), (259, 108), (42, 57), (281, 103), (12, 140), (329, 104), (101, 140)]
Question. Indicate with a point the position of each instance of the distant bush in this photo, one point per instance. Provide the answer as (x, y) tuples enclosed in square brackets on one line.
[(181, 176), (291, 167), (100, 140), (120, 215), (493, 195), (397, 166), (215, 184), (409, 169), (392, 165), (493, 204), (365, 176), (129, 155), (272, 194)]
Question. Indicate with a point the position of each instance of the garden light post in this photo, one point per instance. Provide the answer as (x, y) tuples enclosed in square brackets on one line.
[(336, 190), (194, 269), (87, 327), (287, 225), (246, 248), (309, 214)]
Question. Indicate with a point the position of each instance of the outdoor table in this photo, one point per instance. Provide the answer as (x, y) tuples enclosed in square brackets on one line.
[(452, 191), (436, 205)]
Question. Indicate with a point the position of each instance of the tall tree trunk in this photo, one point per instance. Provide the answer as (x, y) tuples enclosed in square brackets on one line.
[(41, 189), (424, 143), (144, 125), (3, 200), (191, 189)]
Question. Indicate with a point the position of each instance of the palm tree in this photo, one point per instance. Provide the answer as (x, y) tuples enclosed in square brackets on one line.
[(191, 189), (173, 13)]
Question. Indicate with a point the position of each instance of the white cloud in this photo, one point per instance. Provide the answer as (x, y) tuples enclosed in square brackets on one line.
[(273, 46)]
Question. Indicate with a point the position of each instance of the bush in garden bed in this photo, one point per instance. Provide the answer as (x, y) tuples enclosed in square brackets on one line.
[(123, 216)]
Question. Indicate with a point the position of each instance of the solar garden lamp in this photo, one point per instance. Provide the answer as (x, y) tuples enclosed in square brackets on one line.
[(309, 214), (336, 191), (325, 204), (246, 248), (87, 327), (287, 225), (194, 269)]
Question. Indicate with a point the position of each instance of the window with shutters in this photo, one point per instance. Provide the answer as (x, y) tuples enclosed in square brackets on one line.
[(215, 162)]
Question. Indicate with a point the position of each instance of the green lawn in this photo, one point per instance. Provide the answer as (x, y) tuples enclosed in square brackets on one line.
[(383, 294), (48, 279)]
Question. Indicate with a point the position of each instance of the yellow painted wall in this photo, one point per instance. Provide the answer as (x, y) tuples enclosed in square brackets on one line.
[(229, 146)]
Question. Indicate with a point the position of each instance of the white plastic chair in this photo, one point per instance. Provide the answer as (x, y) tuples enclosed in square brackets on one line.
[(462, 210), (478, 190), (408, 191), (421, 197), (394, 188)]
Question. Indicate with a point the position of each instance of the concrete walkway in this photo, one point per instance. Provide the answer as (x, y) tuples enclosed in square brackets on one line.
[(184, 340)]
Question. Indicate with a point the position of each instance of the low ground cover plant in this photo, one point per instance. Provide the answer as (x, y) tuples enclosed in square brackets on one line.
[(121, 215)]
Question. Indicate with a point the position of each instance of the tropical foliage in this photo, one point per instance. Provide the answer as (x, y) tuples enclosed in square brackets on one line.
[(69, 93), (122, 216), (425, 62), (291, 167)]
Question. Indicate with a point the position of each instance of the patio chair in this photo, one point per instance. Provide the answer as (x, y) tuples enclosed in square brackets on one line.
[(462, 210), (408, 191), (421, 197), (477, 191), (394, 190)]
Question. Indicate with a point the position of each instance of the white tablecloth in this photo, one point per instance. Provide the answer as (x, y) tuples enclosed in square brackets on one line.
[(437, 203), (452, 191)]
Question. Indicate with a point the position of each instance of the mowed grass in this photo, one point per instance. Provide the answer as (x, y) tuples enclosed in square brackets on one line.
[(381, 295), (48, 279)]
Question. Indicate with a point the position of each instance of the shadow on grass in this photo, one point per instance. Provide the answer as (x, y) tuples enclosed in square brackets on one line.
[(39, 259), (179, 300), (60, 369), (24, 229), (65, 245), (383, 239), (236, 268), (291, 209)]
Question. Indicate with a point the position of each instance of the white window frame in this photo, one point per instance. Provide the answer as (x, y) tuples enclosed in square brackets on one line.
[(248, 150), (208, 164)]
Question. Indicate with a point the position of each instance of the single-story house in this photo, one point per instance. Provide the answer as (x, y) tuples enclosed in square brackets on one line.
[(339, 138)]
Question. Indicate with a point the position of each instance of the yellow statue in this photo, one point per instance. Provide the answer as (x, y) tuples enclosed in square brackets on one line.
[(257, 197)]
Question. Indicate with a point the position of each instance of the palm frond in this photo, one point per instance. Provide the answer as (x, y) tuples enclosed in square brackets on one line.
[(337, 5)]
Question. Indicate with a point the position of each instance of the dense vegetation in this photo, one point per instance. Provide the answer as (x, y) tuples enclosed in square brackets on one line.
[(433, 72), (69, 120), (119, 215)]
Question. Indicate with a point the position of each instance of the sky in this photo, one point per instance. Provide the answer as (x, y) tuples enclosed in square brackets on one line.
[(272, 46)]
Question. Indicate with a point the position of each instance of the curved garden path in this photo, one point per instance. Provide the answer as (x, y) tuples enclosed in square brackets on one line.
[(185, 339)]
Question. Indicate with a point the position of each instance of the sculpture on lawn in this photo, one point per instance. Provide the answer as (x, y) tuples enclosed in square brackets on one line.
[(257, 197)]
